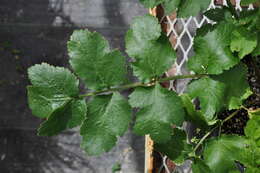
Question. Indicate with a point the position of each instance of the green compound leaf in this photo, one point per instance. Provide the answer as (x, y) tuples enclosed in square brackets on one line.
[(252, 129), (93, 61), (52, 88), (227, 90), (219, 14), (151, 3), (156, 61), (205, 29), (153, 53), (185, 8), (210, 94), (256, 51), (192, 8), (243, 41), (70, 115), (108, 117), (170, 6), (144, 30), (252, 170), (116, 167), (251, 155), (212, 52), (193, 115), (43, 101), (247, 2), (199, 166), (237, 88), (160, 109), (254, 112), (221, 153), (177, 148), (249, 19)]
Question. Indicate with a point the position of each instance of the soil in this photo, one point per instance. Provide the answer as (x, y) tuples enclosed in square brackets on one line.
[(236, 124)]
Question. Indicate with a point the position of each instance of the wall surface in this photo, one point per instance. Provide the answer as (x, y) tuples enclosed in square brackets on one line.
[(34, 31)]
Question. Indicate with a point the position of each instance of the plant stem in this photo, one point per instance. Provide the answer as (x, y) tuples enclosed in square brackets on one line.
[(243, 107), (207, 134), (132, 85), (182, 77), (203, 139), (230, 116), (140, 84)]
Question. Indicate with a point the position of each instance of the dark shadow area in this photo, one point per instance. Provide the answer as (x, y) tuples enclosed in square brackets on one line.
[(26, 38), (26, 12), (112, 13)]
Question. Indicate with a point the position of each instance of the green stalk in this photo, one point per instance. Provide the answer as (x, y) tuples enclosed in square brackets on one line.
[(140, 84), (191, 76), (203, 139), (207, 134), (123, 87), (230, 116)]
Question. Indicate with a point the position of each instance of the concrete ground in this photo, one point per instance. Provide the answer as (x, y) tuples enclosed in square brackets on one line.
[(34, 31)]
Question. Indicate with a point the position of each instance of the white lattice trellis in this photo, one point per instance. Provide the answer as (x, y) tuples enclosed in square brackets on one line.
[(183, 31)]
